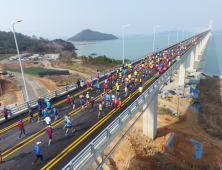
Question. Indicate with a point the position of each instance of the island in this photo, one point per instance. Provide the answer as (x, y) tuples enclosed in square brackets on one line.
[(89, 35)]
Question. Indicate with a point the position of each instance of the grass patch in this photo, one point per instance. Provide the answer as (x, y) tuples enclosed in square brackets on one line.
[(4, 56), (33, 71)]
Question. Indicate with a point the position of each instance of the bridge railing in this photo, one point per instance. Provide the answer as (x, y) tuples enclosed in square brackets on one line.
[(21, 108), (100, 142)]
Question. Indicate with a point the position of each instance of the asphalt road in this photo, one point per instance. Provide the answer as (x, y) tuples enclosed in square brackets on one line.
[(35, 88), (19, 154)]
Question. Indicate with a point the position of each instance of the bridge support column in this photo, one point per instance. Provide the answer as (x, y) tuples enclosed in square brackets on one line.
[(182, 74), (191, 68), (150, 119), (197, 53)]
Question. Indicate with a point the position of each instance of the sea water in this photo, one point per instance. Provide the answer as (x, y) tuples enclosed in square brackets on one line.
[(139, 45)]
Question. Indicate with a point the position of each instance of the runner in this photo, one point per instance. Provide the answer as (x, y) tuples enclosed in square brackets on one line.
[(68, 101), (120, 103), (105, 87), (97, 75), (92, 103), (21, 127), (69, 125), (48, 106), (66, 117), (140, 90), (55, 113), (73, 102), (30, 115), (117, 89), (38, 153), (78, 84), (49, 133), (102, 98), (5, 113), (91, 84), (98, 87), (87, 99), (113, 97), (126, 91), (82, 102), (87, 84), (48, 120), (115, 101), (130, 90), (101, 110), (141, 80), (136, 81), (81, 85), (150, 73), (40, 115), (107, 100), (45, 113)]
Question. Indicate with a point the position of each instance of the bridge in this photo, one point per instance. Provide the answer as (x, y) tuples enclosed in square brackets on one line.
[(80, 149)]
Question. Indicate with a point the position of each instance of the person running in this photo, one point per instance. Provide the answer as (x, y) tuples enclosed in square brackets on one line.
[(78, 84), (107, 100), (45, 113), (66, 117), (141, 80), (21, 127), (69, 125), (82, 102), (101, 110), (140, 90), (87, 84), (113, 97), (49, 133), (81, 85), (30, 115), (48, 104), (40, 115), (115, 101), (150, 73), (5, 113), (55, 111), (117, 89), (92, 103), (48, 120), (120, 103), (105, 87), (126, 91), (68, 101), (130, 90), (87, 98), (91, 84), (98, 87), (38, 153), (102, 98), (73, 102), (97, 75)]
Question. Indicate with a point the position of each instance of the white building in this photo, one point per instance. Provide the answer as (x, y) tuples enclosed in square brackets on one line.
[(15, 57), (53, 56)]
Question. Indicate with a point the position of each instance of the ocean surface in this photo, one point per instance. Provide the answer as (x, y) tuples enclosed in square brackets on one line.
[(139, 45)]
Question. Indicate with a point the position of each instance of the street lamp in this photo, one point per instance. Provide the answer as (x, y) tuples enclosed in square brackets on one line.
[(20, 58), (154, 37), (123, 40), (177, 33), (187, 32), (183, 32), (169, 36)]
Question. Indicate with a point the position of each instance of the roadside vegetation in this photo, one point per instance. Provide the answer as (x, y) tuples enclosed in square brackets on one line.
[(211, 106), (5, 56), (32, 71)]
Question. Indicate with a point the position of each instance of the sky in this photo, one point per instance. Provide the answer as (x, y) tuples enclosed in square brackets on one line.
[(64, 18)]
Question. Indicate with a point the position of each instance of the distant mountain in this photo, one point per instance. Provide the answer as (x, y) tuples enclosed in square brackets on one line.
[(89, 35), (218, 31)]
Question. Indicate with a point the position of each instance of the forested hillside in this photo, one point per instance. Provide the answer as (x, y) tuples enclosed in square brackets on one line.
[(31, 44)]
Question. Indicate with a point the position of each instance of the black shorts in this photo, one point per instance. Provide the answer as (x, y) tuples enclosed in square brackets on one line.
[(100, 111), (117, 90), (50, 137), (49, 108), (69, 127)]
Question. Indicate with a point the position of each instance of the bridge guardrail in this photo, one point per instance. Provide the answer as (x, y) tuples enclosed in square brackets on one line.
[(90, 150), (21, 108)]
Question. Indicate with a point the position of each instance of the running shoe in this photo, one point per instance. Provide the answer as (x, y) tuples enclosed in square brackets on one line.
[(103, 114), (66, 134), (73, 131), (33, 163), (19, 138), (42, 162), (64, 127), (98, 117), (26, 134), (49, 144), (38, 121)]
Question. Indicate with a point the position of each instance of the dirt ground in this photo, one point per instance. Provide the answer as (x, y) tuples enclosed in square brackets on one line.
[(10, 91), (17, 65), (49, 84), (138, 152)]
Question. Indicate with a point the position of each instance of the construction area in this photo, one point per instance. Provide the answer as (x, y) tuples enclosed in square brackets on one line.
[(183, 139)]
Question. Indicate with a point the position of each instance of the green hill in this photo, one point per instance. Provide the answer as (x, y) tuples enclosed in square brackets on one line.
[(31, 44), (89, 35)]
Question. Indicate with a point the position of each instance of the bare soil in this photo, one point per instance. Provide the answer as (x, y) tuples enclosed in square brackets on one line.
[(49, 84), (10, 91)]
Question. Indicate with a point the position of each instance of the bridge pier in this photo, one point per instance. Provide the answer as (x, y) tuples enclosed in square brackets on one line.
[(191, 68), (150, 118), (197, 52)]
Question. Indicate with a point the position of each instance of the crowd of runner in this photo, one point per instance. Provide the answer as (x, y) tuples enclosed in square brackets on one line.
[(129, 77)]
